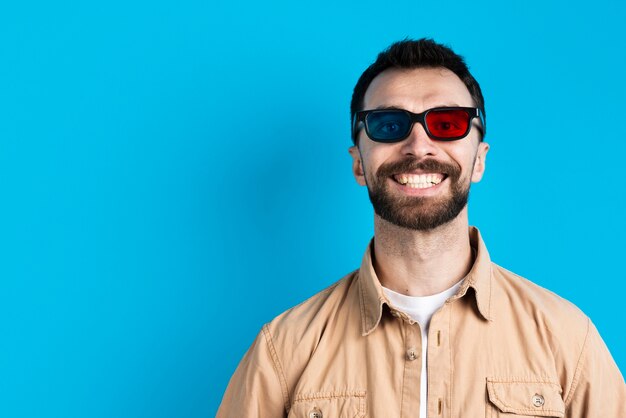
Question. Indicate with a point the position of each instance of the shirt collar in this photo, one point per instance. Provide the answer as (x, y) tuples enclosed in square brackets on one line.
[(479, 279)]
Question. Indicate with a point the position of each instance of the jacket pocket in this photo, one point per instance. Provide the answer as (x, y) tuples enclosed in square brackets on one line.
[(344, 404), (524, 399)]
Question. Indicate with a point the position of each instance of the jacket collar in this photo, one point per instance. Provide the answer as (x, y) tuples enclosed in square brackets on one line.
[(479, 278)]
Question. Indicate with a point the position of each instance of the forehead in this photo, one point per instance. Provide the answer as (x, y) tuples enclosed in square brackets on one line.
[(417, 89)]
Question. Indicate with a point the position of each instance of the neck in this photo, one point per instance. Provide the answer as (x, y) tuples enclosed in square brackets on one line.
[(422, 263)]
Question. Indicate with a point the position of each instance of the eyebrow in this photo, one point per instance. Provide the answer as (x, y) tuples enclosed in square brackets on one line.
[(387, 107)]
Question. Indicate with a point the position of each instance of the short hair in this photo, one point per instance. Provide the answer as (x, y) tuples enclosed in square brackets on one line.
[(410, 54)]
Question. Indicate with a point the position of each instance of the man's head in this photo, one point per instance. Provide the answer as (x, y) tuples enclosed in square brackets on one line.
[(409, 54), (419, 181)]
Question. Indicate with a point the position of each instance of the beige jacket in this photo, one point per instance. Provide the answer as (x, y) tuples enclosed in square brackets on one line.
[(501, 347)]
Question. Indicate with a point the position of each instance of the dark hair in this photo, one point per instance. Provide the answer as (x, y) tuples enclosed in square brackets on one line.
[(409, 54)]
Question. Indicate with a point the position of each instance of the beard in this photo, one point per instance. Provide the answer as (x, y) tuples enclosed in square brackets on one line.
[(415, 212)]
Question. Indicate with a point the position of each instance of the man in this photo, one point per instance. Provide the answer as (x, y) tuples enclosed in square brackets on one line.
[(428, 326)]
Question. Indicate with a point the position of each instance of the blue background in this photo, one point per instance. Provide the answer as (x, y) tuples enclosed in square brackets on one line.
[(175, 174)]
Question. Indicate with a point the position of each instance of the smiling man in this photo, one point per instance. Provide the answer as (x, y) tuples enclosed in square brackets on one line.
[(428, 326)]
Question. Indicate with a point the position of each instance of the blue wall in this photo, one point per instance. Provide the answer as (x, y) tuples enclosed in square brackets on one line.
[(173, 175)]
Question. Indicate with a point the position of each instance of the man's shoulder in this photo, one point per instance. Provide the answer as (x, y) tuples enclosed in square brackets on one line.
[(328, 315), (522, 294), (319, 308)]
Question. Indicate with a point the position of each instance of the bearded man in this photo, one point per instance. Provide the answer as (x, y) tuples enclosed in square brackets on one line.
[(428, 326)]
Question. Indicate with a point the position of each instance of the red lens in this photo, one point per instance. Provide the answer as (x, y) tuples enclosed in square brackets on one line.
[(451, 123)]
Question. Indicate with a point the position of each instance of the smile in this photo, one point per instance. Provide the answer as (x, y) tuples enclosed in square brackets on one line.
[(419, 181)]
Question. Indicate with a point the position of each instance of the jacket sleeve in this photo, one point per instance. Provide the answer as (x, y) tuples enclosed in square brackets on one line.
[(598, 389), (258, 388)]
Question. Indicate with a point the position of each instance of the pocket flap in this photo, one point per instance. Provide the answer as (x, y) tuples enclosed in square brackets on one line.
[(348, 403), (541, 399)]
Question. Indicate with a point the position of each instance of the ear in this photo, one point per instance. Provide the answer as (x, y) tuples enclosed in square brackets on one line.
[(357, 165), (479, 162)]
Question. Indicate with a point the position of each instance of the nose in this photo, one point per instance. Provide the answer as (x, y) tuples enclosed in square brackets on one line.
[(418, 144)]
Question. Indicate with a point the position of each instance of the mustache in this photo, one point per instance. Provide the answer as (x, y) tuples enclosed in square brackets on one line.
[(409, 164)]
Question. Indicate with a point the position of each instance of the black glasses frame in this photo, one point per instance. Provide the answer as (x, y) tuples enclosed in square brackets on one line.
[(363, 115)]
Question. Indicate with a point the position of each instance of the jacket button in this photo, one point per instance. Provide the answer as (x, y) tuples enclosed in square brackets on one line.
[(411, 354), (538, 400), (315, 413)]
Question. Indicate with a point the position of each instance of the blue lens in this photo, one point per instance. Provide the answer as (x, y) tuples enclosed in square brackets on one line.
[(388, 125)]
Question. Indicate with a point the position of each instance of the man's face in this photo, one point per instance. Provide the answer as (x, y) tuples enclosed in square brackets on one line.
[(418, 183)]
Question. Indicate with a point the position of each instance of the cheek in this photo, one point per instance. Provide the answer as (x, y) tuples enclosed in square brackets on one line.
[(466, 160), (475, 170), (377, 154), (368, 162)]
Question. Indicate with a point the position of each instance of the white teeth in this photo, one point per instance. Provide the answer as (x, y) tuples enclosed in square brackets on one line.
[(419, 185), (419, 180)]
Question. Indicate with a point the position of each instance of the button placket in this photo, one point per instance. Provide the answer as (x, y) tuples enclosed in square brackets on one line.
[(411, 377), (439, 354)]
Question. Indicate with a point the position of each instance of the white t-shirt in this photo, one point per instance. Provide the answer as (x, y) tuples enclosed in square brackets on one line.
[(421, 309)]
